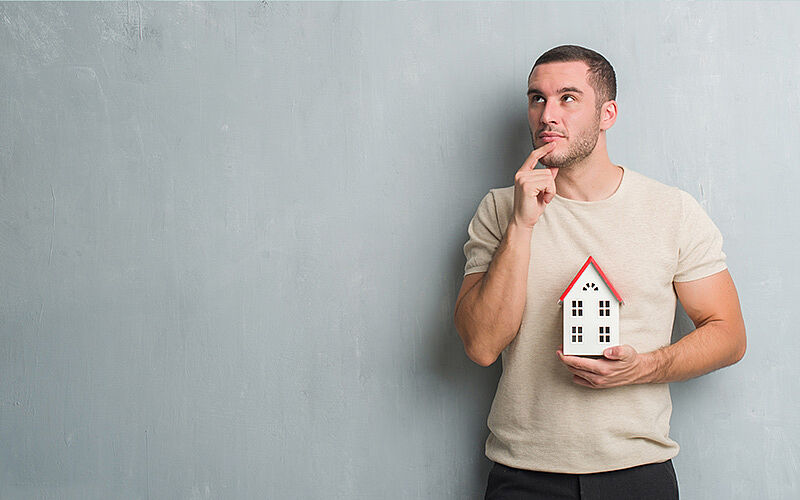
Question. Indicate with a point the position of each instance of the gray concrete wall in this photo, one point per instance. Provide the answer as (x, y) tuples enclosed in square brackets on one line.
[(230, 236)]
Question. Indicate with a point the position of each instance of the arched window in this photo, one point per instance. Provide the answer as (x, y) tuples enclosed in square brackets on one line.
[(590, 286)]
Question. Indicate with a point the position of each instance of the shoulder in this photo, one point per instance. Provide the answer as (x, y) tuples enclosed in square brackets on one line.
[(503, 197), (495, 210), (504, 205), (640, 183), (660, 197), (671, 205)]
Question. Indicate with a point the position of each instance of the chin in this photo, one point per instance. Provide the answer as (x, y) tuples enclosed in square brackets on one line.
[(549, 161)]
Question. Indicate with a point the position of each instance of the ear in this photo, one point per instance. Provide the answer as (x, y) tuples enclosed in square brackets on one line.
[(608, 115)]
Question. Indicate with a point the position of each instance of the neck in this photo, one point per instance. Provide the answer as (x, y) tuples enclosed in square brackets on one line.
[(594, 178)]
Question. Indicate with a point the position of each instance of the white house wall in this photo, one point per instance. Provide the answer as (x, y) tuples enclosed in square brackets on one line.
[(591, 319)]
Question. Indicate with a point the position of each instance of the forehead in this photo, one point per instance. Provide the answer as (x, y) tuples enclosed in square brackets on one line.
[(550, 77)]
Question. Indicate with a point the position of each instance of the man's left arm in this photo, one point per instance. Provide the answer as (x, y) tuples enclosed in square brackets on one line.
[(717, 341)]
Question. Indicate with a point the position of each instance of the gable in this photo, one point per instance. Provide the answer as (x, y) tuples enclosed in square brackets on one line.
[(579, 279)]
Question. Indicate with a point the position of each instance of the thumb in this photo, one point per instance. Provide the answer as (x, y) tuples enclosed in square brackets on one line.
[(620, 352)]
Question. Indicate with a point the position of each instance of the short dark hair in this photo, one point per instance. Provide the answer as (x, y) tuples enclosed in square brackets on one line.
[(601, 74)]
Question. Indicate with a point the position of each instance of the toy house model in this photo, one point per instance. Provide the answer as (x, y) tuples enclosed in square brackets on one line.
[(591, 312)]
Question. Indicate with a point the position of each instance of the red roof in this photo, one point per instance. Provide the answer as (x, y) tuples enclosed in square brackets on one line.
[(591, 261)]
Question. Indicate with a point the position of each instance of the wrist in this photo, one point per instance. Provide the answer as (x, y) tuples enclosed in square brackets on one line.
[(518, 228), (652, 367)]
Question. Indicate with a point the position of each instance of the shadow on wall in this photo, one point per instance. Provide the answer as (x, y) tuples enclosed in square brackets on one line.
[(469, 387), (474, 384), (682, 325)]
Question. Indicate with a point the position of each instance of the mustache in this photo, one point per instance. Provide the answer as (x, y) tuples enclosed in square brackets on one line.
[(551, 130), (544, 130)]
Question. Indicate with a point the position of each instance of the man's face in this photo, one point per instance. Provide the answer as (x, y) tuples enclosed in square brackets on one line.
[(562, 109)]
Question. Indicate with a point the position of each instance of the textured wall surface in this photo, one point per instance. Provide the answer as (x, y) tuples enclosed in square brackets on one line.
[(230, 236)]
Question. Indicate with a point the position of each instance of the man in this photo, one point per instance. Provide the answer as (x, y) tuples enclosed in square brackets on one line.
[(582, 427)]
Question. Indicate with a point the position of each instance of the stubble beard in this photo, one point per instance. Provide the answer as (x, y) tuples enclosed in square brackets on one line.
[(578, 150)]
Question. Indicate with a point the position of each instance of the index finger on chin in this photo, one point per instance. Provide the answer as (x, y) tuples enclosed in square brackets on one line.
[(536, 155)]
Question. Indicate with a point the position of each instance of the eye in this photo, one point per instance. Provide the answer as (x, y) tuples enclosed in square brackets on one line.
[(535, 99), (568, 98)]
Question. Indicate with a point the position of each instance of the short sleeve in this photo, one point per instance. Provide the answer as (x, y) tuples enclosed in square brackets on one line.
[(700, 252), (484, 236)]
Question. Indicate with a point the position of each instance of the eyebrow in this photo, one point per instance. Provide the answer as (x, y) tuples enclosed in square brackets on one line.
[(562, 90)]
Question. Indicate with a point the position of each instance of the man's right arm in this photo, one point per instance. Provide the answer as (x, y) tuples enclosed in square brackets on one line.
[(489, 307)]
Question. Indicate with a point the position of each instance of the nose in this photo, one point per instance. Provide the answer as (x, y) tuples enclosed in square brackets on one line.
[(549, 112)]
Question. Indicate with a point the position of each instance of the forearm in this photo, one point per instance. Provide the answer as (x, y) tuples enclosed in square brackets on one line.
[(710, 347), (718, 341), (489, 315)]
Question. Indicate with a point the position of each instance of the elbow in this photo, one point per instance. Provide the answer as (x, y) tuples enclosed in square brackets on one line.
[(738, 347), (481, 357), (475, 352), (742, 347), (732, 342)]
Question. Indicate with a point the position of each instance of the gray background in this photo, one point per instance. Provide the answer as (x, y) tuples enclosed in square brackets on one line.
[(231, 236)]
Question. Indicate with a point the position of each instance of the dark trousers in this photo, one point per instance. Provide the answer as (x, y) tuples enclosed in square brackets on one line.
[(645, 482)]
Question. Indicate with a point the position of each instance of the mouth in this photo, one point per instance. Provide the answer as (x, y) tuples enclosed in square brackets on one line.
[(550, 137)]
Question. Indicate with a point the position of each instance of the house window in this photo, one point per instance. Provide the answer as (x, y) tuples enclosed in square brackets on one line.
[(590, 286), (577, 334), (577, 308), (605, 334), (605, 308)]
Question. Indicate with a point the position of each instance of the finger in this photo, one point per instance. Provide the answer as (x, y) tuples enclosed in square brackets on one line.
[(593, 379), (536, 154), (552, 180), (620, 352), (550, 191), (580, 381), (553, 170), (584, 374), (581, 373), (570, 361), (535, 181), (541, 175), (579, 363)]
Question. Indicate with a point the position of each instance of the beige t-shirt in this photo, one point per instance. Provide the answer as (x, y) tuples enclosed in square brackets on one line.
[(645, 237)]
